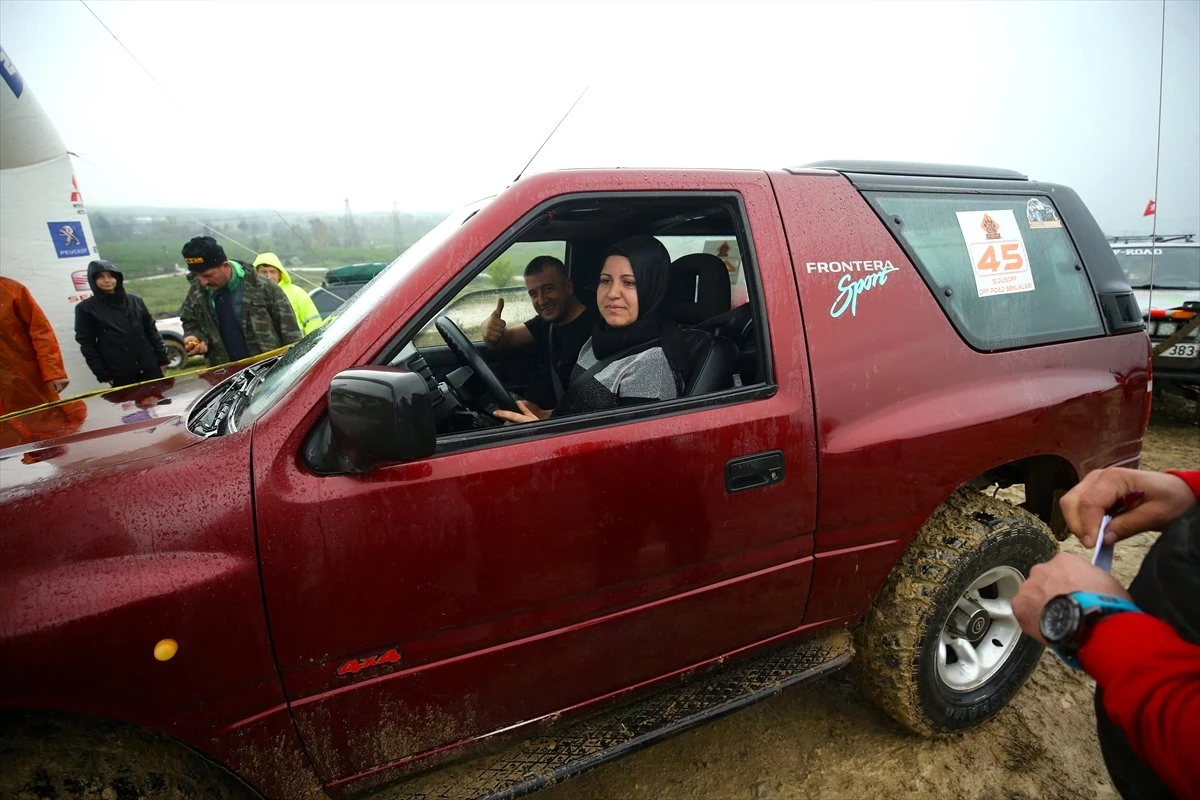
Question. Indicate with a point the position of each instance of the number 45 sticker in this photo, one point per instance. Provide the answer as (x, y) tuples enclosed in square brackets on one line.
[(998, 256), (1001, 257)]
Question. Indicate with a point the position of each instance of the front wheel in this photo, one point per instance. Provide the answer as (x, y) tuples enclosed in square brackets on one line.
[(176, 354), (53, 755), (940, 650)]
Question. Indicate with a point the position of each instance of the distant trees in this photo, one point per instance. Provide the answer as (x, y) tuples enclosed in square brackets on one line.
[(100, 225), (146, 241), (501, 272), (320, 232)]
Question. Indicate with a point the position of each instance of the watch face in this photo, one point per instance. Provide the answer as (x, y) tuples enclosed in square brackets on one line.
[(1060, 618)]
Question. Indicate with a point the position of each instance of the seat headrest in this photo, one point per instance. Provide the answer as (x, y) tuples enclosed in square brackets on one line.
[(699, 288)]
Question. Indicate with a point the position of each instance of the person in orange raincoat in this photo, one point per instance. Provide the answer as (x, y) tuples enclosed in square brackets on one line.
[(31, 365)]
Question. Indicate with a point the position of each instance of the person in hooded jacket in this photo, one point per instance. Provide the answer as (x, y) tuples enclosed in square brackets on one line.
[(635, 352), (116, 332), (307, 317), (31, 365)]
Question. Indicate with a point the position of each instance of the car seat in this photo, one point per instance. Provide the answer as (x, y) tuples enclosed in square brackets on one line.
[(699, 291)]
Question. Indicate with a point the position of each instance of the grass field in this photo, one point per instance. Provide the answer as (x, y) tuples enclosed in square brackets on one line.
[(162, 296)]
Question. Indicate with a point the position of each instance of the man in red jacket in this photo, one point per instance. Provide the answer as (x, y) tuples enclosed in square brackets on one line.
[(1145, 657)]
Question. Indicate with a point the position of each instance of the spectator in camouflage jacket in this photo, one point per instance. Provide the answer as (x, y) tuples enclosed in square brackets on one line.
[(230, 313)]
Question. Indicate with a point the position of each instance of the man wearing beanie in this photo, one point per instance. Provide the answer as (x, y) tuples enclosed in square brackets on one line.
[(230, 313)]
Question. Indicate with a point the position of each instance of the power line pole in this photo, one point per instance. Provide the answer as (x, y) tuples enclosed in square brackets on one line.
[(350, 235), (396, 224)]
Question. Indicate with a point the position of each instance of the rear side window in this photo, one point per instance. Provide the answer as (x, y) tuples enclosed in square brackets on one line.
[(1003, 267)]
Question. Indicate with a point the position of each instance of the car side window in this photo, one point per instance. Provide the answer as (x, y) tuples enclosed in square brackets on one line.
[(502, 279), (710, 297), (1003, 267)]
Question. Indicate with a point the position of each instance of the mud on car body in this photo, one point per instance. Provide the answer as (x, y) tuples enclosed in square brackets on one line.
[(368, 585)]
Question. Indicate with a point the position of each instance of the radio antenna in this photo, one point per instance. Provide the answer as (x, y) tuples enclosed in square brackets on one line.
[(1162, 60), (556, 127)]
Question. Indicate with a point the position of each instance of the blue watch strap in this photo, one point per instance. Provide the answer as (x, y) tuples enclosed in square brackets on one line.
[(1105, 602), (1094, 607)]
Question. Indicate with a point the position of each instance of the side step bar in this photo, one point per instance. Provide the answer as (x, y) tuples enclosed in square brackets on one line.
[(548, 759)]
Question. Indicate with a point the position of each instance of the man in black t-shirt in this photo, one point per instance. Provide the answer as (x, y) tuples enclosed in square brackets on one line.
[(560, 328)]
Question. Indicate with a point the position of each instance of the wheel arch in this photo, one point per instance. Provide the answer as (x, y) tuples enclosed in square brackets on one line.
[(1044, 478), (46, 746)]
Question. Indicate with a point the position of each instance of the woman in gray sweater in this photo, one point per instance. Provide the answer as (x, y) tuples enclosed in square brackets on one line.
[(630, 358)]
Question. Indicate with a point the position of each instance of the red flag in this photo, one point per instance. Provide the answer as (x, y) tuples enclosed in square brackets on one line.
[(1149, 212)]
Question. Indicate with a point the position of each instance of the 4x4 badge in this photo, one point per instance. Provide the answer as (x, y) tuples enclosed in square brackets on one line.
[(355, 664)]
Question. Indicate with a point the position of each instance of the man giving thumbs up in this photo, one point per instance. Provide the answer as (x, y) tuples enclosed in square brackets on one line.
[(553, 296), (495, 330)]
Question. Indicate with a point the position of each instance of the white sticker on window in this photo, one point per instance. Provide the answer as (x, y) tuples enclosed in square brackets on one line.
[(1041, 214), (998, 256)]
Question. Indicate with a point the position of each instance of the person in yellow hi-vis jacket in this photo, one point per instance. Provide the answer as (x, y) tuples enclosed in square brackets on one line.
[(269, 266)]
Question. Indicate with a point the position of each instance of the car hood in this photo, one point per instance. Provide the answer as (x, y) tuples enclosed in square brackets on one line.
[(103, 429)]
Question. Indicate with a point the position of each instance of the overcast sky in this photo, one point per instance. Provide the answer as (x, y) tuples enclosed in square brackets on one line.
[(299, 105)]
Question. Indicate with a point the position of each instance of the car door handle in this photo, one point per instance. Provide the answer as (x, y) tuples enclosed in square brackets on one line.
[(751, 472)]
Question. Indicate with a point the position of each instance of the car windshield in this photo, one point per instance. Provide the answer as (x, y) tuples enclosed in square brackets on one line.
[(305, 353), (1173, 267)]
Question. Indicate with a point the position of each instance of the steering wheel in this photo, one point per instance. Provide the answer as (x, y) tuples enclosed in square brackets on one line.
[(460, 345)]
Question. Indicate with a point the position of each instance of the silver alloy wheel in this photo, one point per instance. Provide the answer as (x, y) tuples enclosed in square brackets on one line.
[(176, 354), (981, 632)]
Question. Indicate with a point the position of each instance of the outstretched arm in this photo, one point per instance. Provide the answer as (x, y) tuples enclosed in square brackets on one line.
[(1151, 683), (1149, 675), (1152, 500)]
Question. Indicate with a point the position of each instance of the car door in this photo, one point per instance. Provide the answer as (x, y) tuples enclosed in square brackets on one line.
[(493, 584)]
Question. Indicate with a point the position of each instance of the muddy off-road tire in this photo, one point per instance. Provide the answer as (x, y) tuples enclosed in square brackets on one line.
[(176, 354), (44, 757), (939, 650)]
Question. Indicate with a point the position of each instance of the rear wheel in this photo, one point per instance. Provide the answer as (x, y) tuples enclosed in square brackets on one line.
[(940, 650)]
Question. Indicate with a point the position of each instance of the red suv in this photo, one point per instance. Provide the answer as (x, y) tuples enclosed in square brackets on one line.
[(333, 570)]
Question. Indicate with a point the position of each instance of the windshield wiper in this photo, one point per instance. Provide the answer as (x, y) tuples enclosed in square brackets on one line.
[(219, 418), (213, 419), (252, 378)]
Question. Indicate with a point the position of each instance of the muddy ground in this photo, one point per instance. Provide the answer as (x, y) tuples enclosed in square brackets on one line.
[(824, 740)]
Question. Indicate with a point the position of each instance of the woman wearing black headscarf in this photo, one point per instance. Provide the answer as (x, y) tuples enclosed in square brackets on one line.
[(630, 357)]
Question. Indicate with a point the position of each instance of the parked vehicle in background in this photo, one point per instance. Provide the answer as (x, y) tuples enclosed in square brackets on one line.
[(171, 330), (322, 571), (329, 299), (342, 283), (354, 273), (1164, 272)]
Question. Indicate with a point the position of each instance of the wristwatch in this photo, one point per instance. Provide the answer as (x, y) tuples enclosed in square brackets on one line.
[(1067, 620)]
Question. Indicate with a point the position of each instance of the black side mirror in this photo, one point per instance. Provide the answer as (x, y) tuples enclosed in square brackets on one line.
[(380, 415)]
